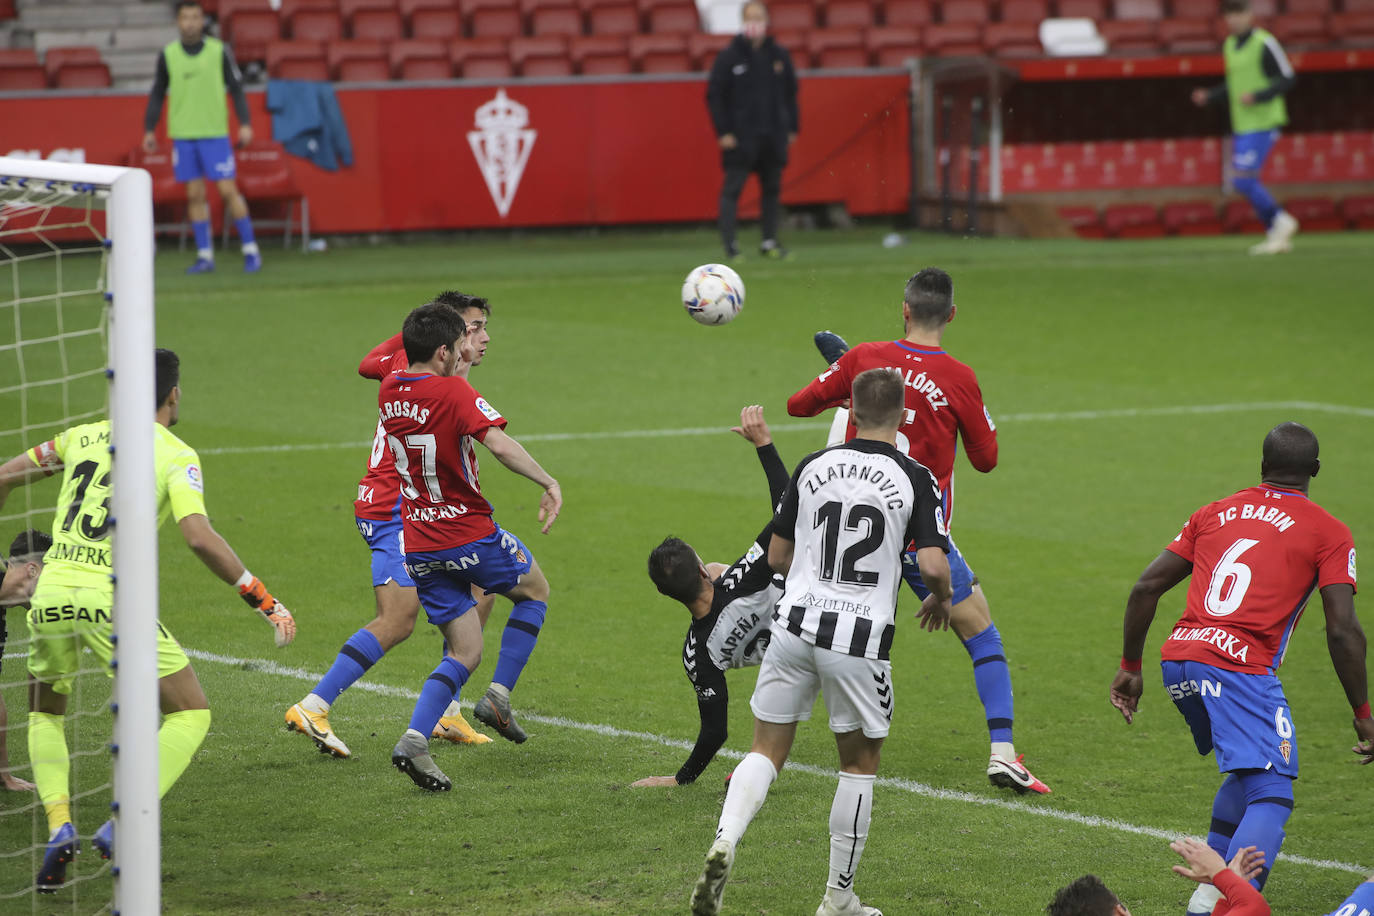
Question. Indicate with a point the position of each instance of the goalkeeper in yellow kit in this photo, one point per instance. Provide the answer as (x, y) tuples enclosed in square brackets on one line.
[(71, 605)]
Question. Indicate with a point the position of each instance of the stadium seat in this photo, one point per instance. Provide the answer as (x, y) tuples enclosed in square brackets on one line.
[(55, 59), (1132, 221), (348, 8), (228, 7), (1320, 7), (601, 55), (249, 31), (787, 15), (1191, 217), (377, 25), (660, 53), (357, 61), (1025, 10), (893, 45), (1358, 211), (1084, 221), (288, 8), (977, 11), (1189, 36), (704, 47), (1239, 216), (611, 17), (409, 8), (420, 59), (954, 39), (849, 14), (908, 12), (1316, 214), (436, 24), (553, 18), (673, 18), (1081, 9), (495, 22), (315, 25), (1353, 30), (835, 49), (297, 60), (265, 176), (1138, 9), (1359, 6), (1301, 30), (18, 57), (82, 74), (541, 55), (1130, 36), (16, 79), (1013, 39), (481, 58)]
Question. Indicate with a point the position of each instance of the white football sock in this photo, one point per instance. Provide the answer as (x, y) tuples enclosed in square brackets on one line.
[(453, 711), (838, 427), (315, 704), (1204, 899), (250, 248), (1004, 749), (850, 814), (748, 788), (205, 254), (499, 690)]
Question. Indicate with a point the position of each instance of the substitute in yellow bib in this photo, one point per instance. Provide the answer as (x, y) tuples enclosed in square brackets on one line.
[(72, 604), (1258, 75), (195, 72)]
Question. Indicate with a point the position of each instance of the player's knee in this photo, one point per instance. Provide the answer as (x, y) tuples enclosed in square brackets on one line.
[(1245, 182)]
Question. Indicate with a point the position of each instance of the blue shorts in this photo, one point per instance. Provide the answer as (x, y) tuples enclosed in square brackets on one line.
[(1244, 717), (960, 575), (445, 578), (211, 158), (388, 547), (1248, 151), (1360, 903)]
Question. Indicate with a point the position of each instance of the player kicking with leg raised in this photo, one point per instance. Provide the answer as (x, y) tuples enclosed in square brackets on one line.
[(1254, 558), (731, 608), (845, 519), (378, 516), (431, 419), (77, 574), (943, 406)]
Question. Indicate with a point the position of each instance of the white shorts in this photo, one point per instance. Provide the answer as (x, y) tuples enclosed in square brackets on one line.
[(857, 691)]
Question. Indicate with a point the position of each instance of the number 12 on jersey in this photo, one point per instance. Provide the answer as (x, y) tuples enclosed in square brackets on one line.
[(828, 520)]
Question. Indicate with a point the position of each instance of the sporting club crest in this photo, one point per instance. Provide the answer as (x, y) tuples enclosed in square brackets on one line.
[(502, 143)]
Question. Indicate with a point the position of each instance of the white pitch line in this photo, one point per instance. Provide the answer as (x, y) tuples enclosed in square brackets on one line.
[(686, 431), (267, 666)]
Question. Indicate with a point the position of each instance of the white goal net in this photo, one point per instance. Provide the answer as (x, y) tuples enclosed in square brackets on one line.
[(76, 341)]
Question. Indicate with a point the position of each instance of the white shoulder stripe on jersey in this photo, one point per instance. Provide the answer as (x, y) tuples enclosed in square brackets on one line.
[(1280, 58)]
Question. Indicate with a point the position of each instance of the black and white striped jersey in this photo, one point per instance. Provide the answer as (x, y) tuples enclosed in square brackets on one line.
[(851, 510)]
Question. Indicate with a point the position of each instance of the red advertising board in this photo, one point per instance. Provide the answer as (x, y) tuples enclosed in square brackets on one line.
[(568, 153)]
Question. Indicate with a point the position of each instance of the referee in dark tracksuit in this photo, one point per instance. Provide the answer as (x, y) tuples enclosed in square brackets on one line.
[(752, 95)]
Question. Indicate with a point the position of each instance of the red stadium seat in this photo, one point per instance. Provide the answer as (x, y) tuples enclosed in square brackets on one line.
[(1025, 10), (893, 45), (439, 25), (347, 8), (1353, 30), (543, 55), (1320, 7), (1191, 217), (409, 8), (849, 14), (1013, 39), (979, 11), (1189, 36), (18, 57), (495, 22), (704, 47), (56, 58), (835, 49), (554, 17), (289, 8), (674, 18), (265, 177), (316, 25), (292, 59), (420, 59), (1359, 6), (1358, 211), (1301, 30), (955, 39), (1084, 221), (249, 32), (1138, 9), (481, 58), (1239, 216), (15, 79), (612, 17), (1132, 221), (1130, 36), (602, 55), (1081, 9), (377, 25), (660, 53), (357, 61), (791, 15), (1316, 214), (228, 7), (908, 12)]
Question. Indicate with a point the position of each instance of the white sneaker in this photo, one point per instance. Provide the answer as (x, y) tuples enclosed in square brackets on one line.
[(1279, 238), (710, 890), (1285, 226), (1204, 900), (851, 907)]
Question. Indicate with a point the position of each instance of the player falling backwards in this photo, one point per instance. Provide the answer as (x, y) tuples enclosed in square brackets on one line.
[(431, 419), (731, 608), (943, 405), (1254, 558), (70, 609), (378, 515)]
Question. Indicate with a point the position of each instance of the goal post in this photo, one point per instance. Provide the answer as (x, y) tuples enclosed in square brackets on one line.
[(125, 195)]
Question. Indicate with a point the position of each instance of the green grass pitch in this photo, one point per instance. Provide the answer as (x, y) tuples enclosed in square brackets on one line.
[(1132, 382)]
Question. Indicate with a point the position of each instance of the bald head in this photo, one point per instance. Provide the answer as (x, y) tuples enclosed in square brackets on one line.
[(1290, 455)]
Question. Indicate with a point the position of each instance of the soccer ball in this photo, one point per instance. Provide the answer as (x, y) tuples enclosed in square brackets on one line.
[(713, 294)]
